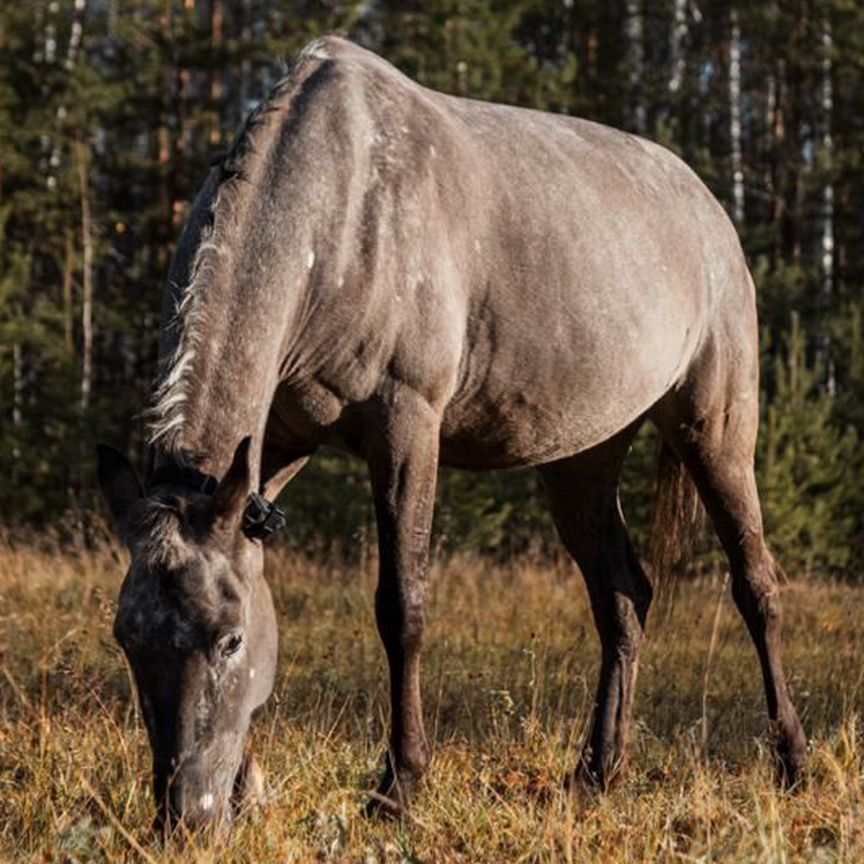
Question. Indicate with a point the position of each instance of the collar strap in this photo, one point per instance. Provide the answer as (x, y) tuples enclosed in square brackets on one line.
[(174, 475), (261, 518)]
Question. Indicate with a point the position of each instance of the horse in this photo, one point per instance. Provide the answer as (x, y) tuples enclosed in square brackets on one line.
[(421, 280)]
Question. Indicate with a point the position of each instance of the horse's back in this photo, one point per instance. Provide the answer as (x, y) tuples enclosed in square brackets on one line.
[(553, 276)]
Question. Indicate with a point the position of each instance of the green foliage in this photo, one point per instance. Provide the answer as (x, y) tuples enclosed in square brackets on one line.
[(330, 502), (807, 464), (144, 95), (468, 47), (500, 513), (494, 513)]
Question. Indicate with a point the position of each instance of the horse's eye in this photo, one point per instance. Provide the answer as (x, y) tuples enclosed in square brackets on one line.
[(231, 644)]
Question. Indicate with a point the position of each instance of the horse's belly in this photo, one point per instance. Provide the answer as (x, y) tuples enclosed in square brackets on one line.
[(515, 433), (529, 401), (519, 431)]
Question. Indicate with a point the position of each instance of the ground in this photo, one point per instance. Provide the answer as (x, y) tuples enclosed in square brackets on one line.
[(509, 676)]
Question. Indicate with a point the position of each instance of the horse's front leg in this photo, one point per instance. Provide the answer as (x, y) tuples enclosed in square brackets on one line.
[(403, 465)]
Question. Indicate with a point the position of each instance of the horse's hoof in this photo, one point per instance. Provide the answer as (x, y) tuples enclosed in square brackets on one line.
[(393, 797), (586, 781), (381, 806), (790, 752), (792, 761)]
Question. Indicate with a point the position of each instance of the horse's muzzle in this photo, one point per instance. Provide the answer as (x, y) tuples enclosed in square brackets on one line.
[(188, 803)]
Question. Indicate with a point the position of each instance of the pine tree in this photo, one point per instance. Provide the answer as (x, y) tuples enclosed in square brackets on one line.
[(804, 464), (111, 113)]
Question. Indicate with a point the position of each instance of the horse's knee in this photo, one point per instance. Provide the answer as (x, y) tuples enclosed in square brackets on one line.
[(756, 592), (631, 601), (757, 598), (622, 627), (401, 620)]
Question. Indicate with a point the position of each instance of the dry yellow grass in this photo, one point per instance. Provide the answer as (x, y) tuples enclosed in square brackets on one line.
[(509, 676)]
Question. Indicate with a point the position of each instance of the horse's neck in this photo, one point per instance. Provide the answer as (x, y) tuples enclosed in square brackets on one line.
[(221, 360), (241, 311)]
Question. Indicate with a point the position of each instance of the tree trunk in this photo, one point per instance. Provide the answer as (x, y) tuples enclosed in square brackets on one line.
[(83, 158), (676, 47), (636, 49), (827, 161), (17, 400), (246, 65), (68, 274), (827, 99), (216, 84), (49, 54), (76, 34), (797, 92), (735, 116), (777, 128), (164, 145)]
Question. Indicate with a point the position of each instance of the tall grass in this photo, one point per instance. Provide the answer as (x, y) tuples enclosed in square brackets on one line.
[(509, 677)]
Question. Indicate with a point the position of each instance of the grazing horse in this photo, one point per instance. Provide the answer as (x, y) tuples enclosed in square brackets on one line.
[(420, 279)]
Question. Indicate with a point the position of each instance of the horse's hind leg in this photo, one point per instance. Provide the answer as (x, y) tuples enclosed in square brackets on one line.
[(711, 422), (583, 496)]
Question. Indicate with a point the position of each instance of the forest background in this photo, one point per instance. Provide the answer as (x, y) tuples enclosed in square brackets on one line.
[(111, 112)]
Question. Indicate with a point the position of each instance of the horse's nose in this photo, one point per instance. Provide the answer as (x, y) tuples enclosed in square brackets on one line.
[(194, 807), (182, 801), (191, 797)]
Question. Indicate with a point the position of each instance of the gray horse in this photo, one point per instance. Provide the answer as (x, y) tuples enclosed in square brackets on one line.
[(418, 280)]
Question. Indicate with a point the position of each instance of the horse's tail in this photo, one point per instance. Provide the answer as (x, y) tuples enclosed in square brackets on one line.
[(677, 518)]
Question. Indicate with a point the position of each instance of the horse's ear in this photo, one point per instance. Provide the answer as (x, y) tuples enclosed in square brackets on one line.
[(229, 499), (119, 484)]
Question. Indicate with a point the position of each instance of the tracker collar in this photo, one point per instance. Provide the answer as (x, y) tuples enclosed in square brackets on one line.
[(261, 518)]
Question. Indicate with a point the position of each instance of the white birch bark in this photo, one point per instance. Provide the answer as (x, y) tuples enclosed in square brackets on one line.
[(636, 49), (76, 34), (50, 49), (83, 157), (47, 55), (217, 86), (676, 46), (735, 116), (827, 100), (827, 241)]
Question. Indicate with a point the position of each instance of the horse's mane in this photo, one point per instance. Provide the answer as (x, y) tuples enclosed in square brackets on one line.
[(216, 208)]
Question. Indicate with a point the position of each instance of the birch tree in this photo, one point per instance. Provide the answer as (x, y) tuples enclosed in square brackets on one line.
[(217, 85), (827, 146), (82, 158), (735, 116), (827, 107), (678, 34), (636, 50)]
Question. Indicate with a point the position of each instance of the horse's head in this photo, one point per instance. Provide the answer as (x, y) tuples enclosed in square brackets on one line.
[(195, 619)]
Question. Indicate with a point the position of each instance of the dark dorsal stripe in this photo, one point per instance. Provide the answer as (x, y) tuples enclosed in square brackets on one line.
[(261, 517)]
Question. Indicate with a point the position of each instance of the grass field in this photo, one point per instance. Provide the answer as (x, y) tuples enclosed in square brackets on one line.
[(509, 676)]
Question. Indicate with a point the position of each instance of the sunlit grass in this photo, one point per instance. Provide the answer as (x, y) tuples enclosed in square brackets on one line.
[(509, 677)]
